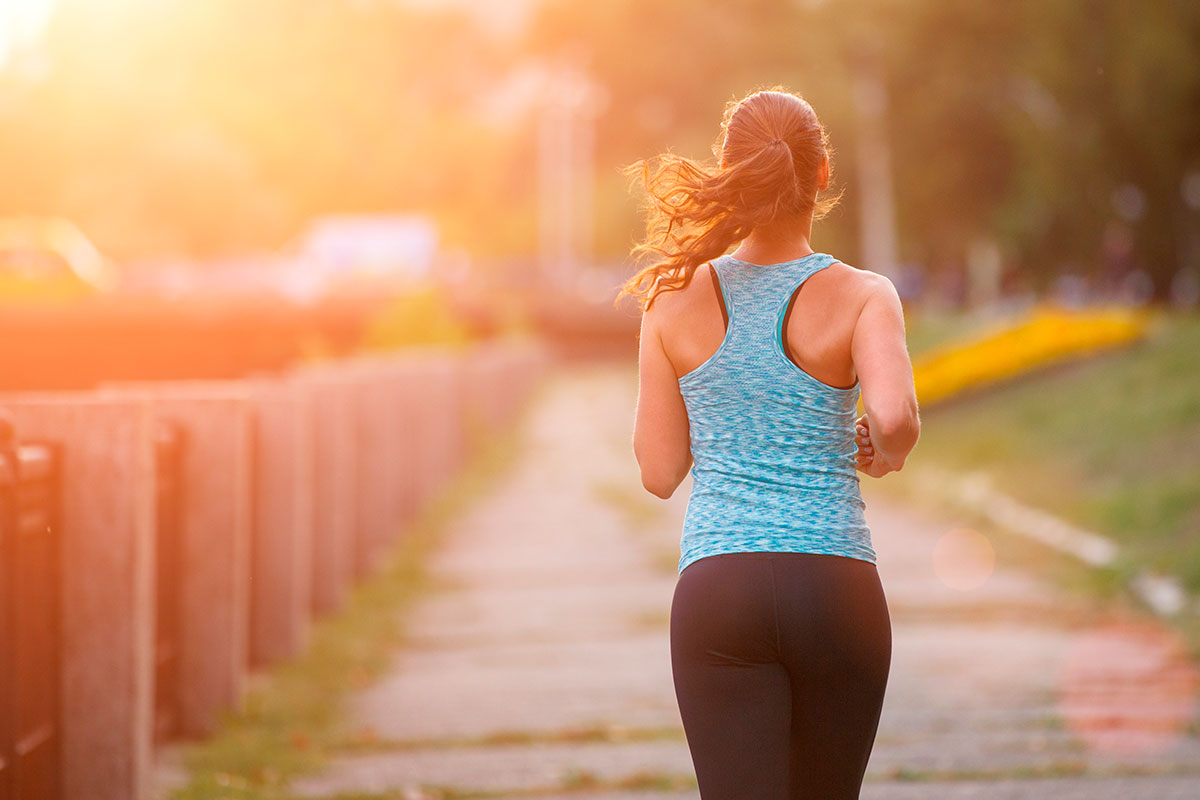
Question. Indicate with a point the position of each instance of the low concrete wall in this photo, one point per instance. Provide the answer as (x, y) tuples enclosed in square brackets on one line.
[(292, 485), (334, 483), (437, 422), (281, 552), (377, 396), (106, 588), (216, 528), (497, 376), (412, 437)]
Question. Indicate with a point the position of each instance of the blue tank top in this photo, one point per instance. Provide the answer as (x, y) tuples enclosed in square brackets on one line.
[(773, 447)]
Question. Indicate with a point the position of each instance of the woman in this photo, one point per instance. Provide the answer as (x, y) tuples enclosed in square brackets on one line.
[(780, 635)]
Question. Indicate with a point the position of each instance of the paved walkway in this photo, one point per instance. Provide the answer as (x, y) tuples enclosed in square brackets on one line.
[(540, 663)]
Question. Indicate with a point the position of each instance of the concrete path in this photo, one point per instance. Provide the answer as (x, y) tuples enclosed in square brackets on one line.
[(540, 664)]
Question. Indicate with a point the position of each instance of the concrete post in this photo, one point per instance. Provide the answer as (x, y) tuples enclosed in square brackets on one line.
[(215, 553), (335, 476), (377, 426), (281, 560), (484, 402), (433, 383), (106, 587), (371, 409)]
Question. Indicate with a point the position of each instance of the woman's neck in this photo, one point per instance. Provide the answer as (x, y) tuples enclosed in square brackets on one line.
[(784, 240)]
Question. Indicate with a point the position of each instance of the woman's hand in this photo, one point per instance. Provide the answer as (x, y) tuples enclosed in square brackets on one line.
[(864, 459)]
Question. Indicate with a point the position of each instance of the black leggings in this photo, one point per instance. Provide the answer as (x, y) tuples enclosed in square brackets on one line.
[(780, 664)]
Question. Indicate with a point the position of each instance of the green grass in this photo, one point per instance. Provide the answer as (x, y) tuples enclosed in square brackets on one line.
[(583, 734), (1111, 443), (292, 720)]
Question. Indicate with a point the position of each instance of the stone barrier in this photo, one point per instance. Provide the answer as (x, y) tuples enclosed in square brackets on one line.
[(415, 420), (438, 423), (420, 411), (377, 437), (335, 476), (497, 376), (290, 486), (106, 586), (281, 557), (215, 524), (483, 388)]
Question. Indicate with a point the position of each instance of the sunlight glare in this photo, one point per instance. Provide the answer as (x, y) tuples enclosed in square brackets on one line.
[(963, 559), (21, 22)]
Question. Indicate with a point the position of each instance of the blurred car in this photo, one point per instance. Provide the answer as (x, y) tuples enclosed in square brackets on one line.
[(49, 258), (370, 252)]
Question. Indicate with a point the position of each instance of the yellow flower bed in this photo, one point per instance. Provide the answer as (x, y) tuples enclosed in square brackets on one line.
[(1048, 335)]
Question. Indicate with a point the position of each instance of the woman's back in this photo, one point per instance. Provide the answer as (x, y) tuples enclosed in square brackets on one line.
[(819, 331), (772, 433)]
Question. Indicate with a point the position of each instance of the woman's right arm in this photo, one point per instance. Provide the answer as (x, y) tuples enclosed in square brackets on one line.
[(886, 378)]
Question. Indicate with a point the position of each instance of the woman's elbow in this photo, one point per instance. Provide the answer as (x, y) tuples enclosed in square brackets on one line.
[(903, 429), (660, 479), (658, 486), (899, 429)]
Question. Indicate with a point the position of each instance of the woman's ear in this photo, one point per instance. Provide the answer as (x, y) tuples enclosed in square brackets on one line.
[(823, 173)]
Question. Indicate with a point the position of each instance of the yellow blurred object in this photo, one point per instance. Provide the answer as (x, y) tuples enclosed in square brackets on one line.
[(1049, 335), (417, 317), (48, 258)]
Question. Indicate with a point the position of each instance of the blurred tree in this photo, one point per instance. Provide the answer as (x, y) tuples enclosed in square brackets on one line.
[(1020, 122), (669, 67), (208, 127), (1107, 127), (216, 126)]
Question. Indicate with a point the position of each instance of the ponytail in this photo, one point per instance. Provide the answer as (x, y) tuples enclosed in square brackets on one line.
[(696, 211)]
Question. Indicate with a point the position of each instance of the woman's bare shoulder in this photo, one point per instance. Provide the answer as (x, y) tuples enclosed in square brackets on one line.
[(860, 275), (676, 305), (861, 283)]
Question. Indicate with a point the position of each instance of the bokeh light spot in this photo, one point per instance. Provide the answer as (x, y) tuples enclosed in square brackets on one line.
[(963, 559)]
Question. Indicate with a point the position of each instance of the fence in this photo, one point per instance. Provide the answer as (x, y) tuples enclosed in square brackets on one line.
[(29, 718), (168, 474), (160, 540)]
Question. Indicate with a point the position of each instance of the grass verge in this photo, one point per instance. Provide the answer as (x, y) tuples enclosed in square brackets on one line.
[(1110, 443), (584, 734)]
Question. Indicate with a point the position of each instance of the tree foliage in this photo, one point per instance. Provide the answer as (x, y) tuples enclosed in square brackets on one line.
[(219, 126)]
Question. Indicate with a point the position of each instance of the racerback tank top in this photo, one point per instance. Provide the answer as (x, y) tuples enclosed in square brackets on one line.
[(773, 447)]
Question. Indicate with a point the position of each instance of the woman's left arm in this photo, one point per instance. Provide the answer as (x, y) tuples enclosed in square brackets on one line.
[(661, 441)]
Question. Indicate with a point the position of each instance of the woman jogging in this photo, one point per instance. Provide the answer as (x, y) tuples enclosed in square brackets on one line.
[(780, 635)]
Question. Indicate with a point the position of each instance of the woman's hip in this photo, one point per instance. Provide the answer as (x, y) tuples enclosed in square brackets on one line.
[(781, 606)]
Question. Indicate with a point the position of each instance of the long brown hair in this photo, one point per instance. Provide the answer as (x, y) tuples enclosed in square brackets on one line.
[(768, 158)]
